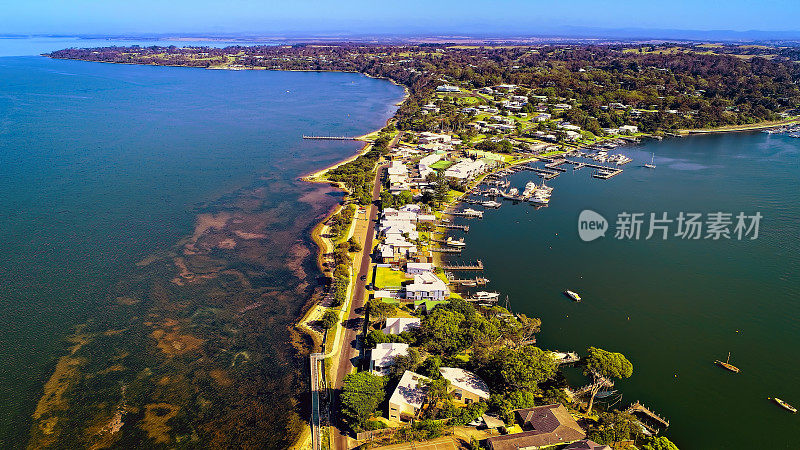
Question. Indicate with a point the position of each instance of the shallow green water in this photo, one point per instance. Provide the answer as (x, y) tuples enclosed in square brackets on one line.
[(672, 306), (104, 165)]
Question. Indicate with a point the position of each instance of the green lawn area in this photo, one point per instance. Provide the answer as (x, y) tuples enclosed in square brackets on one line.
[(385, 277), (441, 165), (553, 153), (453, 194)]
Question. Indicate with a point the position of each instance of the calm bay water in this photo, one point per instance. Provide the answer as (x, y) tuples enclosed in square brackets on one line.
[(672, 306), (102, 166)]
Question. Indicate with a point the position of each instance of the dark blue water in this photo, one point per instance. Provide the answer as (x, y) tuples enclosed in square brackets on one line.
[(104, 165), (672, 306)]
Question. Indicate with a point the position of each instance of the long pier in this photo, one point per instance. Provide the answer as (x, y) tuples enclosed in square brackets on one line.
[(477, 281), (464, 228), (446, 250), (331, 138), (477, 266), (640, 408), (471, 215)]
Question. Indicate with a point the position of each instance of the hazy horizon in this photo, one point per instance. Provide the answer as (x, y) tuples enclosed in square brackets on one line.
[(512, 18)]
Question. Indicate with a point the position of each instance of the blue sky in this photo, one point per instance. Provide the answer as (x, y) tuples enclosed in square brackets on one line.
[(530, 17)]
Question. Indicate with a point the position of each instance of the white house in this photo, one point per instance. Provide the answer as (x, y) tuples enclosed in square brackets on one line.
[(408, 397), (382, 356), (628, 129), (465, 386), (448, 88), (542, 117), (397, 325), (465, 169), (427, 286), (427, 137), (414, 268)]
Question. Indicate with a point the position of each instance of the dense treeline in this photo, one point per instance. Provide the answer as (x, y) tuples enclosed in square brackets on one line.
[(663, 87)]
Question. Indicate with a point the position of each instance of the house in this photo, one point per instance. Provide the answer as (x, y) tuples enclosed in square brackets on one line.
[(408, 397), (542, 426), (486, 90), (414, 268), (465, 169), (382, 356), (465, 386), (542, 117), (448, 88), (427, 137), (398, 177), (586, 444), (572, 135), (427, 286), (628, 129), (397, 325)]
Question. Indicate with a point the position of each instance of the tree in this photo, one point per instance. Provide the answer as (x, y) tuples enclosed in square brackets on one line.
[(505, 404), (443, 330), (329, 319), (660, 443), (410, 361), (361, 395), (437, 389), (524, 367), (379, 310), (603, 365)]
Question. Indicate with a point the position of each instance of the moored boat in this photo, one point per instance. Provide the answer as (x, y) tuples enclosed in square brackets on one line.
[(727, 365), (572, 295), (785, 405)]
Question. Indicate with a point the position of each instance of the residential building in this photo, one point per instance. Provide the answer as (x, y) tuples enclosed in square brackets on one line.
[(448, 88), (408, 397), (465, 386), (397, 325), (382, 356), (542, 117), (427, 286), (628, 129), (542, 426), (414, 268), (465, 169), (586, 444)]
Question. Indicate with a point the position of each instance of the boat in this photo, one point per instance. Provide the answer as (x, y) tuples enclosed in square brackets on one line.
[(491, 204), (456, 243), (785, 405), (540, 198), (604, 394), (573, 295), (513, 191), (484, 295), (727, 365), (651, 165), (530, 188), (473, 212)]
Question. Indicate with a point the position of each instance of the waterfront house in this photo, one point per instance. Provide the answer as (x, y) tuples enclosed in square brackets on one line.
[(465, 169), (382, 356), (465, 386), (447, 88), (542, 426), (427, 286), (586, 444), (628, 129), (427, 137), (414, 268), (408, 397), (397, 325)]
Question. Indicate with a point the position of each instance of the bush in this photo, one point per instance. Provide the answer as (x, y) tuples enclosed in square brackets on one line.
[(329, 319)]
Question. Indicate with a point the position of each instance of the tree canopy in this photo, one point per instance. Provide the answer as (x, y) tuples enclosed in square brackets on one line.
[(361, 395)]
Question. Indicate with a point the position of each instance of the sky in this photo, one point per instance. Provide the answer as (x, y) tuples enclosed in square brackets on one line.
[(485, 17)]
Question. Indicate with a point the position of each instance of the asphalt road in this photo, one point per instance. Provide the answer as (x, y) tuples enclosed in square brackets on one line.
[(350, 347)]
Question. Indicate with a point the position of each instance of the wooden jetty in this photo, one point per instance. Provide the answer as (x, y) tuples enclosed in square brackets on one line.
[(477, 281), (449, 244), (331, 138), (605, 174), (477, 266), (547, 174), (451, 226), (446, 250), (637, 407), (471, 215)]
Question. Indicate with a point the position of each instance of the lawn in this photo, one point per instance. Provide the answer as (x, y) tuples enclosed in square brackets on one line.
[(441, 165), (385, 277)]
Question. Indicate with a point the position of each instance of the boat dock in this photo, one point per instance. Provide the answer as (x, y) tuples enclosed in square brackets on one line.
[(469, 214), (477, 281), (637, 407), (605, 173), (464, 228), (477, 266), (450, 244), (331, 138), (446, 250)]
